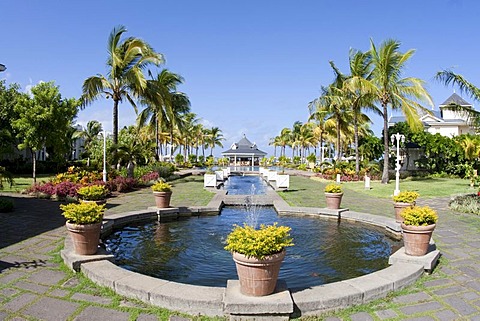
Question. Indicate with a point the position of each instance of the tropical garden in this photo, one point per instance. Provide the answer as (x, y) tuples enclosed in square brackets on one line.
[(335, 139), (166, 134), (337, 135)]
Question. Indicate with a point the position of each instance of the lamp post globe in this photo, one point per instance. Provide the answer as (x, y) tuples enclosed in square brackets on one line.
[(2, 67)]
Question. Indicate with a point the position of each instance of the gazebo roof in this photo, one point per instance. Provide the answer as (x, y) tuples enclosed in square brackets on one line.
[(244, 147), (455, 99)]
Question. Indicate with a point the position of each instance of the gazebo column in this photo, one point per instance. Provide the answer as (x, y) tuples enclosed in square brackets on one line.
[(253, 161), (235, 160)]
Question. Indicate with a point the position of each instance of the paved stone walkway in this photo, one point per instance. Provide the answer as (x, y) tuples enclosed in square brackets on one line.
[(35, 285)]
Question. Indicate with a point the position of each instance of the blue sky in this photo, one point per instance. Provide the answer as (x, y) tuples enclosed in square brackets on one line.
[(250, 67)]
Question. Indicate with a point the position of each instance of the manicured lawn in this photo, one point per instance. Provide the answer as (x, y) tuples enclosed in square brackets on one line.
[(187, 191), (426, 187), (21, 183), (378, 200)]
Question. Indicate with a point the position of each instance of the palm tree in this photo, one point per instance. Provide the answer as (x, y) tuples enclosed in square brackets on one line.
[(390, 89), (449, 77), (335, 106), (89, 134), (360, 96), (294, 133), (125, 79), (215, 138), (471, 147), (158, 99)]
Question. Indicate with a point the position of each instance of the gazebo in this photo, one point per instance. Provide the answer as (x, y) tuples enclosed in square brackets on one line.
[(244, 153)]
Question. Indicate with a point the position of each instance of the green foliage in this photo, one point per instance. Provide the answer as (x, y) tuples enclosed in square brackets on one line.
[(419, 216), (296, 159), (192, 158), (179, 159), (302, 167), (469, 203), (44, 118), (83, 213), (311, 158), (258, 243), (5, 176), (6, 205), (333, 188), (8, 99), (78, 175), (93, 192), (406, 197), (161, 187)]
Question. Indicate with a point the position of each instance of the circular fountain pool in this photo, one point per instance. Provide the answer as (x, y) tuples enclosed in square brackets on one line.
[(191, 250)]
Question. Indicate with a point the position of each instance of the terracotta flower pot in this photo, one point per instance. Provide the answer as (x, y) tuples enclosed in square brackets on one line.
[(258, 277), (85, 237), (333, 200), (416, 239), (398, 207), (162, 199)]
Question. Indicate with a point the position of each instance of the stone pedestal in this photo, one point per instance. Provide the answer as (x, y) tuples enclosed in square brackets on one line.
[(428, 261), (276, 306)]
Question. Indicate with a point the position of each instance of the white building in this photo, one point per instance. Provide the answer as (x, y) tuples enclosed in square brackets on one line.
[(444, 122)]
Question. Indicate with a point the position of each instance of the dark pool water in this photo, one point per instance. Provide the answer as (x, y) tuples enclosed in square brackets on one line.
[(191, 250)]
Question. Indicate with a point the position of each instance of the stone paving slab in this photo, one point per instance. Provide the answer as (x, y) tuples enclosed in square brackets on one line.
[(47, 277), (423, 307), (460, 305), (93, 313), (91, 298), (37, 288), (17, 303), (51, 309)]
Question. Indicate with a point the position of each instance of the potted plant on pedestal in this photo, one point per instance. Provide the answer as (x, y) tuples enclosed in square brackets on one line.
[(93, 193), (333, 196), (417, 228), (84, 222), (402, 200), (162, 192), (258, 255)]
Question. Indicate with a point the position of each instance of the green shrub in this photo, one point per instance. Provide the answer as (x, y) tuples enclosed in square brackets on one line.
[(406, 197), (6, 205), (302, 167), (267, 240), (93, 192), (419, 216), (161, 187), (83, 213), (466, 204), (333, 188)]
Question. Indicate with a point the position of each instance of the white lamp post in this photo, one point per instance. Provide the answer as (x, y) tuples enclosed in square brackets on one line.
[(397, 137), (105, 156)]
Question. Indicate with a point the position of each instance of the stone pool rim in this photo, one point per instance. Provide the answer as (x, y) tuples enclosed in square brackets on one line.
[(210, 301)]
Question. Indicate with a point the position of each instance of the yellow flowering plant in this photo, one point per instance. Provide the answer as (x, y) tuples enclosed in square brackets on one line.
[(333, 188), (161, 187), (406, 197), (93, 192), (83, 213), (419, 216), (258, 243)]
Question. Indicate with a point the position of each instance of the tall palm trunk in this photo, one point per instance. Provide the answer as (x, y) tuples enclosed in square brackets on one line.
[(115, 122), (338, 140), (355, 133), (385, 145)]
